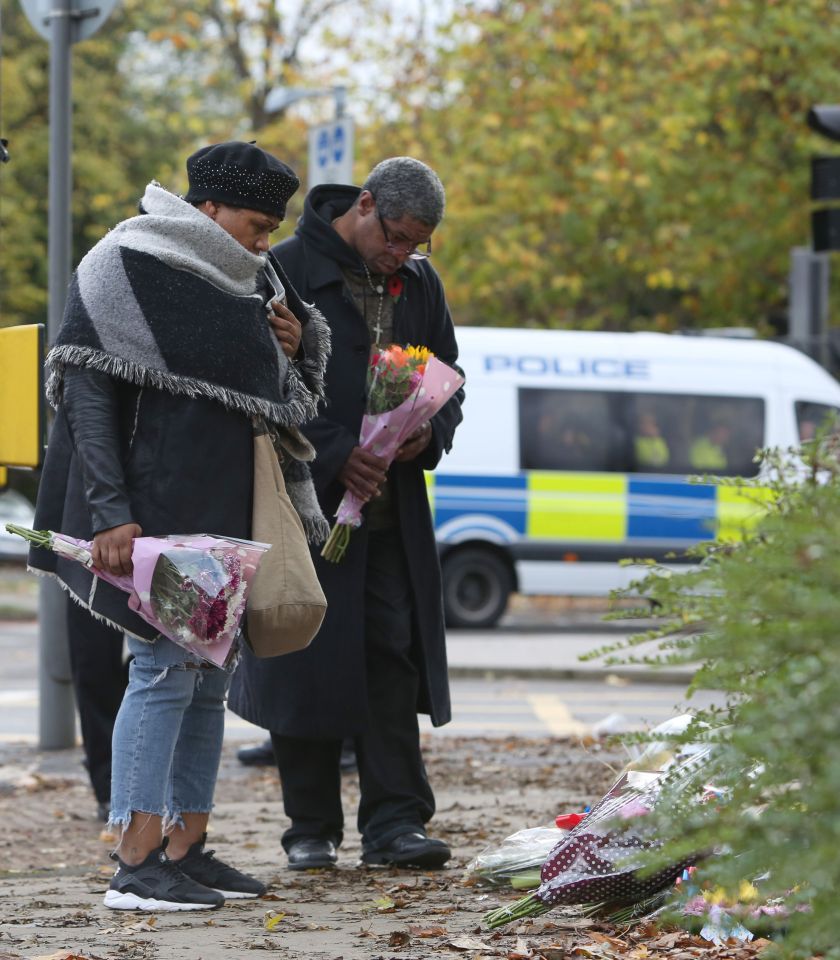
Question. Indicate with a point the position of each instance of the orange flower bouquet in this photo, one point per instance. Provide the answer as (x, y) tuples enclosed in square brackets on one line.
[(405, 387)]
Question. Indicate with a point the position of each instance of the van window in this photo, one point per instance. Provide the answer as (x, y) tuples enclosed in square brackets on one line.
[(639, 432), (810, 417)]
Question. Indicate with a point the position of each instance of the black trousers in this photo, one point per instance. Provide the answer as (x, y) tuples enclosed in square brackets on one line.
[(395, 792), (100, 675)]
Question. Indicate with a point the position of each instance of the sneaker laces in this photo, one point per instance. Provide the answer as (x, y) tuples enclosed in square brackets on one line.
[(171, 870)]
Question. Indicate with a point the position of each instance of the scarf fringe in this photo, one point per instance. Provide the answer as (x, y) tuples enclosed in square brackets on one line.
[(317, 530), (315, 370), (292, 412), (48, 575)]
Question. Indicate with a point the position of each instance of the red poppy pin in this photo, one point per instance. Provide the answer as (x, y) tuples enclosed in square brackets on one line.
[(395, 287)]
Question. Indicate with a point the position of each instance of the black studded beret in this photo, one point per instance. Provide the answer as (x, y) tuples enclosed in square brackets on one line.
[(242, 175)]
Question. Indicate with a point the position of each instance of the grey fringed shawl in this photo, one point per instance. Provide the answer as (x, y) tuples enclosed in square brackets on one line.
[(170, 300)]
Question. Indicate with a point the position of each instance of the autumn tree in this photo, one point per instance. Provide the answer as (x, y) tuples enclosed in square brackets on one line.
[(621, 165), (152, 84), (119, 143)]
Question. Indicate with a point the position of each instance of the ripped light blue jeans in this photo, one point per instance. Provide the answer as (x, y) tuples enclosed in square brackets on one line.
[(168, 734)]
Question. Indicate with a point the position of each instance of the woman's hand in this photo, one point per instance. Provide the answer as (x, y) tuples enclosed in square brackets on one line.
[(111, 549), (286, 327)]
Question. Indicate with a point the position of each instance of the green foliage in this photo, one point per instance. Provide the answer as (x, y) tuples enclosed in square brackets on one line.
[(155, 82), (761, 617), (117, 149), (618, 166), (623, 166)]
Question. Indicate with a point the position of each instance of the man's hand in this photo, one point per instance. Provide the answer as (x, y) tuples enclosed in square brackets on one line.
[(111, 549), (286, 327), (363, 473), (415, 443)]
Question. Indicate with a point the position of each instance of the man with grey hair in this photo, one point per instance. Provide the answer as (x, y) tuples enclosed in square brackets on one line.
[(362, 256)]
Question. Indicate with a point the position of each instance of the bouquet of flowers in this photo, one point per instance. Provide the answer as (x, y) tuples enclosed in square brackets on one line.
[(192, 589), (602, 862), (516, 860), (405, 387)]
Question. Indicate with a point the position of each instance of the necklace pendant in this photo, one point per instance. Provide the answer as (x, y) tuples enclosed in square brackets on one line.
[(380, 289)]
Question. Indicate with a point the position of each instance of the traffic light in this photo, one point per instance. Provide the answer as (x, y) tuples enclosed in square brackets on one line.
[(825, 180), (825, 119)]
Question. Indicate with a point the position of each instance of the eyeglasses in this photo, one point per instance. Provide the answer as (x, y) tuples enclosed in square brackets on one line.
[(414, 251)]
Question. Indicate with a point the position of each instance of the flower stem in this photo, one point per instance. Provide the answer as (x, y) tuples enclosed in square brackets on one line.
[(337, 542), (530, 906), (41, 538)]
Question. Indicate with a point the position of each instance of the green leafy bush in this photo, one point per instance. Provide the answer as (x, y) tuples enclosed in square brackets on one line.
[(762, 616)]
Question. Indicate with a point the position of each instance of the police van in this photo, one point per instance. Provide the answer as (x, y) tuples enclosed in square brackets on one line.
[(580, 449)]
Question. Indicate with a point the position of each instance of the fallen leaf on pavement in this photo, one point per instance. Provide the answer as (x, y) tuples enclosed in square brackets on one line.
[(428, 931), (65, 955), (520, 952), (467, 943), (603, 938)]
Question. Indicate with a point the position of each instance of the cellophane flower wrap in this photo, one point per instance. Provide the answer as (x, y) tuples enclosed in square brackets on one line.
[(405, 387), (193, 589)]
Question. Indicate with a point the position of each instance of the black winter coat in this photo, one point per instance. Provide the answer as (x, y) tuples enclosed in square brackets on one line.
[(321, 692)]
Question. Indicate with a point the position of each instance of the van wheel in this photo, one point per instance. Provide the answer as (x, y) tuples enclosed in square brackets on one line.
[(476, 587)]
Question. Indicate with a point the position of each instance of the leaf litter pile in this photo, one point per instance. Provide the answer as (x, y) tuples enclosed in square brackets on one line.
[(54, 869)]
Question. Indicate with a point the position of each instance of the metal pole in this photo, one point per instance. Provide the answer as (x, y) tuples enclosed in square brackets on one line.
[(61, 179), (57, 716)]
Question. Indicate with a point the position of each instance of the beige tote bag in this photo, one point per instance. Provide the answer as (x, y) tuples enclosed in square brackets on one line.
[(286, 605)]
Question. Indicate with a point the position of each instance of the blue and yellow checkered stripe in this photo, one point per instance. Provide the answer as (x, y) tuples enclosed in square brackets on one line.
[(601, 508)]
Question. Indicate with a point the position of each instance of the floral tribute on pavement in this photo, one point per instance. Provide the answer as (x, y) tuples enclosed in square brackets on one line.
[(597, 863)]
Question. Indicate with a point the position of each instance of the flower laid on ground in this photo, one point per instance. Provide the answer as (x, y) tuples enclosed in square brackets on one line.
[(516, 860), (603, 862), (193, 589), (720, 916), (406, 386)]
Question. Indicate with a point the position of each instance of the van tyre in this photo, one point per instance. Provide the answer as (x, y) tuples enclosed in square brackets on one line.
[(476, 587)]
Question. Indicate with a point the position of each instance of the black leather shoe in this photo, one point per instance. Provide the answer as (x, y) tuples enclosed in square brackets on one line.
[(260, 756), (311, 853), (409, 850)]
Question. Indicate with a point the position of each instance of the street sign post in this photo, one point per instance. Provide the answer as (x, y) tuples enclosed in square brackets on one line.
[(85, 17), (331, 152), (62, 23)]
